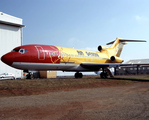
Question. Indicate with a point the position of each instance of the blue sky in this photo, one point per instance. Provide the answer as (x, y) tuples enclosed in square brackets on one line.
[(83, 24)]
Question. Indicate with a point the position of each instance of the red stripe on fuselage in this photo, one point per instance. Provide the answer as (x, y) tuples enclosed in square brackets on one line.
[(35, 54)]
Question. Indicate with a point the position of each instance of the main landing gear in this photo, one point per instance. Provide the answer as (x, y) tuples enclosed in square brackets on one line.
[(78, 75), (104, 73)]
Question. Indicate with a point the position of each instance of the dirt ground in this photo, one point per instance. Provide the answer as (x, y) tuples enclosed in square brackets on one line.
[(123, 102)]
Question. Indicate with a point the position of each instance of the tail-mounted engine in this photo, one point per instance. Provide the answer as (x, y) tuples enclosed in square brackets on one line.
[(116, 59), (101, 48)]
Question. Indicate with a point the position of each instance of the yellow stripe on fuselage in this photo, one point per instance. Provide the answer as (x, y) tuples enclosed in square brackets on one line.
[(77, 56)]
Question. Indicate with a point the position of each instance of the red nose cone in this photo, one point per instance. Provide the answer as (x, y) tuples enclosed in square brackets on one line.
[(7, 59)]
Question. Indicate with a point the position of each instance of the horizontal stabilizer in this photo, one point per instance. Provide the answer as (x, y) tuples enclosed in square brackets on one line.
[(123, 40)]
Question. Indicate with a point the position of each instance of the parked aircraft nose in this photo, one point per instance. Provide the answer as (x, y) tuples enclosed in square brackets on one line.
[(7, 59)]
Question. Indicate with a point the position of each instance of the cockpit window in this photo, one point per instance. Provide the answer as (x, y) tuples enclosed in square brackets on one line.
[(16, 50), (26, 51), (23, 51)]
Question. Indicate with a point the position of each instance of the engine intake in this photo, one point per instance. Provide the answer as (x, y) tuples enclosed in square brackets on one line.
[(99, 48), (112, 58), (102, 48)]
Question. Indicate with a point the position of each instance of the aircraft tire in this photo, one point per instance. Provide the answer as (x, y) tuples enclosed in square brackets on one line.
[(78, 75), (103, 75)]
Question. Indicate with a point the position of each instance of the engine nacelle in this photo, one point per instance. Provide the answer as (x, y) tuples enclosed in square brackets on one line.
[(116, 59), (112, 58), (101, 48)]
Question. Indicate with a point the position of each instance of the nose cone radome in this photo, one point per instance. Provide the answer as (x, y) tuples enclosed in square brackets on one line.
[(7, 59)]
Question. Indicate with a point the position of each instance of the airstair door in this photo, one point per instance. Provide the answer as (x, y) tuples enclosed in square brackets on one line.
[(41, 53)]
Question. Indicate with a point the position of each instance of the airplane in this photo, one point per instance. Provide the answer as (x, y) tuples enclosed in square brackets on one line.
[(48, 57)]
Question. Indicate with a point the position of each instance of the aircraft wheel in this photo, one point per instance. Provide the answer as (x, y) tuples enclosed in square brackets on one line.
[(78, 75), (103, 75)]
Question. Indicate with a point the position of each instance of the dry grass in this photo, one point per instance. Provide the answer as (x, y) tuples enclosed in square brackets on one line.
[(41, 86)]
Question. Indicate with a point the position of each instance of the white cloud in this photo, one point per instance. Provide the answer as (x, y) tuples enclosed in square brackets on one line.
[(141, 18), (77, 44), (90, 48), (74, 42)]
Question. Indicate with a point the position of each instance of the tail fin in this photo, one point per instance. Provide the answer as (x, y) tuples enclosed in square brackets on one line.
[(118, 44)]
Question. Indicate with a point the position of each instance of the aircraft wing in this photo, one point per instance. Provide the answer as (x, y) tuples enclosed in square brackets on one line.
[(98, 65), (104, 65)]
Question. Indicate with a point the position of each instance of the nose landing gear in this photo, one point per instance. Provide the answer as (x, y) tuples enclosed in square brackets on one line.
[(78, 75)]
